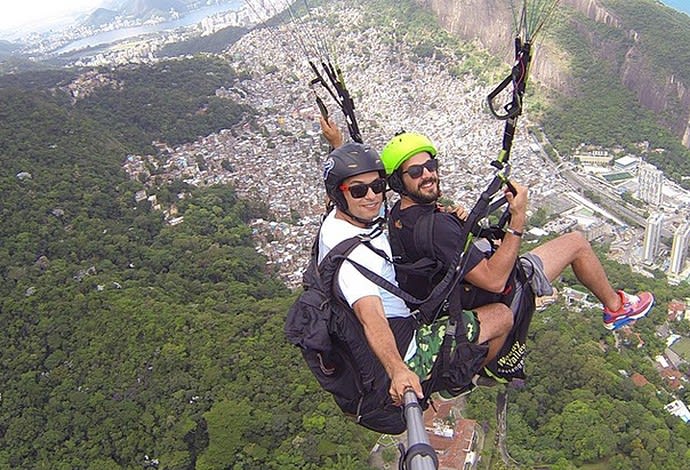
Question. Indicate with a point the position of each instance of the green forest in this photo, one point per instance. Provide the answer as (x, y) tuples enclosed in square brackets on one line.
[(124, 337), (128, 343)]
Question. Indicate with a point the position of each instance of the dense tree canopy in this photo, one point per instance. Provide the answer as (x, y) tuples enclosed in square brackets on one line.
[(126, 340)]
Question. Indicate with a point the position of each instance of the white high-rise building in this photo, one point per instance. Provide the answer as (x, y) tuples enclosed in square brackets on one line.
[(679, 249), (651, 181), (652, 237)]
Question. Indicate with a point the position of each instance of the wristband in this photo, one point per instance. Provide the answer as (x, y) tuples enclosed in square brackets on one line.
[(514, 232)]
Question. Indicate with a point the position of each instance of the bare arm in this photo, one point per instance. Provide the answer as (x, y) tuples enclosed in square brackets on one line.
[(492, 274), (369, 311)]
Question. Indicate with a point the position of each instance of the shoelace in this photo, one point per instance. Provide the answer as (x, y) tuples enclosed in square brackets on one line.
[(631, 299)]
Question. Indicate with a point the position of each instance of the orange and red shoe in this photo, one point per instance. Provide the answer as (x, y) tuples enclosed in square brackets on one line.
[(633, 308)]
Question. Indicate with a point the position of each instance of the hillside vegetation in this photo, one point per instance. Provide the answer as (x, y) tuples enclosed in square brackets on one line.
[(125, 339), (214, 43), (605, 112)]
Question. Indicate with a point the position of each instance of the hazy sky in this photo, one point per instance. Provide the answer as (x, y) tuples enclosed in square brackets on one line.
[(34, 14)]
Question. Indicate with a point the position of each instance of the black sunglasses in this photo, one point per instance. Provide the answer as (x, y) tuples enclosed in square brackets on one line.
[(415, 171), (360, 190)]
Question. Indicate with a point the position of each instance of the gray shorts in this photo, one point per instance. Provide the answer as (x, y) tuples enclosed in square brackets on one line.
[(534, 269)]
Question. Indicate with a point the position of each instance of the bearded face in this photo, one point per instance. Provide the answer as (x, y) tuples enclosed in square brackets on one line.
[(420, 177)]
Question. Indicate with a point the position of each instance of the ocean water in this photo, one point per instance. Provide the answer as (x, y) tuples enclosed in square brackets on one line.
[(108, 37), (680, 5)]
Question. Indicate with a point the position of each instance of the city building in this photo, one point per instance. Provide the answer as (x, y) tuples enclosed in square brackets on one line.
[(454, 439), (678, 408), (652, 237), (679, 249), (676, 310), (651, 184), (627, 163), (594, 157)]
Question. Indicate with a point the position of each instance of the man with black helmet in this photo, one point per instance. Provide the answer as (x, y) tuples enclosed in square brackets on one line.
[(355, 184)]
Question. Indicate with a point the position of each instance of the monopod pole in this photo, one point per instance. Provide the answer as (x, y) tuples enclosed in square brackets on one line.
[(420, 455)]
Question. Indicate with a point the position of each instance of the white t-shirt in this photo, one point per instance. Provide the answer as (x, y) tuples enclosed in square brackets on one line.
[(352, 283)]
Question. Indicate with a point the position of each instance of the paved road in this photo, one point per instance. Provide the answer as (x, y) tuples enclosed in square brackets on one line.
[(502, 426)]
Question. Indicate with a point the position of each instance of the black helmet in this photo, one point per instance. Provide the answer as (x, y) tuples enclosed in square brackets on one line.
[(348, 160)]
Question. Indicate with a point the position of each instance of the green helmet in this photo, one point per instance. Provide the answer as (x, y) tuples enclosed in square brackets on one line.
[(404, 146)]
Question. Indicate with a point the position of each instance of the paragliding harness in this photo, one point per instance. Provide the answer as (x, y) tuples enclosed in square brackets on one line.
[(338, 92), (518, 295), (333, 343), (509, 362)]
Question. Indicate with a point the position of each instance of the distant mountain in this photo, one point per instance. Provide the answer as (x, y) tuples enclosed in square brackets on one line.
[(146, 8), (7, 47), (10, 61), (101, 17)]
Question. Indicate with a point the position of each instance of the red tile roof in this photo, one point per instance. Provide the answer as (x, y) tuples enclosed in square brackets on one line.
[(451, 442)]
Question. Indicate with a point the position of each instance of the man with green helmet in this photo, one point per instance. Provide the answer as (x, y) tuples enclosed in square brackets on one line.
[(412, 167)]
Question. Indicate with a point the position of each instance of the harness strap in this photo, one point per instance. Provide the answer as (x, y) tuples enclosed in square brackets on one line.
[(426, 265), (513, 109), (424, 235), (340, 95), (383, 283)]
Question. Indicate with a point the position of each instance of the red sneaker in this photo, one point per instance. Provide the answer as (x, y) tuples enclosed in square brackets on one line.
[(634, 307)]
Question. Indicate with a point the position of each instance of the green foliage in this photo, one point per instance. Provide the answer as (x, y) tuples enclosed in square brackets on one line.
[(226, 440), (539, 218), (214, 43), (124, 337), (171, 101)]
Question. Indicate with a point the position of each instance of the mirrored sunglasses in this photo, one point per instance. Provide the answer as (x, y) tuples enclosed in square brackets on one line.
[(360, 190), (415, 171)]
